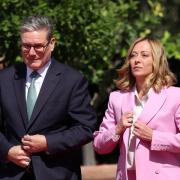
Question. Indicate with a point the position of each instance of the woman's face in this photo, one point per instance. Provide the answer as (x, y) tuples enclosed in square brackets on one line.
[(141, 60)]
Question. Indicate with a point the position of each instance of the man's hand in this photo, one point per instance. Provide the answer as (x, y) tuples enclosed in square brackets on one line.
[(142, 131), (19, 156), (34, 143)]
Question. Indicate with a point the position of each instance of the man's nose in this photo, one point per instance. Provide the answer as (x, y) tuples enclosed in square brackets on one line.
[(32, 51)]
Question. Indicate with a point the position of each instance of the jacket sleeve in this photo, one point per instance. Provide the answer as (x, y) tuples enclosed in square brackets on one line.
[(5, 145), (82, 121), (167, 141), (105, 139)]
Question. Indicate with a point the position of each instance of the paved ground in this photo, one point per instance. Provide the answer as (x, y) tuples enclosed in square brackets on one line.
[(99, 172)]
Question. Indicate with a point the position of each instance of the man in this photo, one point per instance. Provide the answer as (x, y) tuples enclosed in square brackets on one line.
[(41, 138)]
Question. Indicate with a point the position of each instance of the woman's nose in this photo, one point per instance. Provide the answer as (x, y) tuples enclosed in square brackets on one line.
[(137, 59)]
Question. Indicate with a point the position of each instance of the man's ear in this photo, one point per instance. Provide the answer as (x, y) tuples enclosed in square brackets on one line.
[(52, 43)]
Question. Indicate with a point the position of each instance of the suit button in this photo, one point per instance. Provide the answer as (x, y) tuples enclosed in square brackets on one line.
[(157, 171)]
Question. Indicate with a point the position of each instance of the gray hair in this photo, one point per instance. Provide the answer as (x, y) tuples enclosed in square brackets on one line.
[(37, 22)]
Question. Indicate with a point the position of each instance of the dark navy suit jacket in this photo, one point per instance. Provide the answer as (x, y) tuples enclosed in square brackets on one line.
[(62, 113)]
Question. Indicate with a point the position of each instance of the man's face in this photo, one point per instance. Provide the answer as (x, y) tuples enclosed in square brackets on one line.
[(36, 49)]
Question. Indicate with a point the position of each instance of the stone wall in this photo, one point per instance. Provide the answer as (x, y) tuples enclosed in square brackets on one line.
[(99, 172)]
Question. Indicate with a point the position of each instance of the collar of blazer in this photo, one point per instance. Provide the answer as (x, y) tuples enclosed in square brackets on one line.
[(151, 108)]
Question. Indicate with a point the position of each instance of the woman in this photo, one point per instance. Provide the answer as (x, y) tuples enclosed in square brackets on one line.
[(143, 116)]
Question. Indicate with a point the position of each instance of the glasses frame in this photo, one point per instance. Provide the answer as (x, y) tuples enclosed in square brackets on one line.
[(28, 47)]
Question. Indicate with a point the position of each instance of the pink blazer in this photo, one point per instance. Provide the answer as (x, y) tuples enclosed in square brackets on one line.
[(158, 160)]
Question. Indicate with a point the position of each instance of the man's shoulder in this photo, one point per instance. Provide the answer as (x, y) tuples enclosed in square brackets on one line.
[(68, 70), (9, 72), (6, 70)]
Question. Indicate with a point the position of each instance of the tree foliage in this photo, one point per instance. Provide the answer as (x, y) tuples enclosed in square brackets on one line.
[(92, 35)]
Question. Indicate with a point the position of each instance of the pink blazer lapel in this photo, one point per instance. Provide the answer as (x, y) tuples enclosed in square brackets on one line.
[(153, 105)]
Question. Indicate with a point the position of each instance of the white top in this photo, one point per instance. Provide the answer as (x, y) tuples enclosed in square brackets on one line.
[(39, 81), (139, 105)]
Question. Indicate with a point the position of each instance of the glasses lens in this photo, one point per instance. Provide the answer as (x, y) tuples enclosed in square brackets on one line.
[(37, 47)]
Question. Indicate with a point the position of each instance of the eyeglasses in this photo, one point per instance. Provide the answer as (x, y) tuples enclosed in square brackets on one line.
[(37, 47)]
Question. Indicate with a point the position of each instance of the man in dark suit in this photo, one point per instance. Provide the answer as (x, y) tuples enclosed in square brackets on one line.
[(46, 115)]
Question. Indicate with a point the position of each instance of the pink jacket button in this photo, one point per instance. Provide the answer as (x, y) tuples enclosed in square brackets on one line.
[(157, 171)]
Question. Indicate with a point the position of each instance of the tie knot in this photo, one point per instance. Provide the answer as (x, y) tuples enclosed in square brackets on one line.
[(34, 74)]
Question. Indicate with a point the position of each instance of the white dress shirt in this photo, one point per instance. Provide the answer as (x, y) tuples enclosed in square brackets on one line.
[(39, 81)]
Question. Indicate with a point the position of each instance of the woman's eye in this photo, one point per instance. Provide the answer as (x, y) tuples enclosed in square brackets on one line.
[(145, 55), (132, 55)]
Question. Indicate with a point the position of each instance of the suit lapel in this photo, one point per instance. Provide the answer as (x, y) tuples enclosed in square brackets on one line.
[(19, 82), (154, 103), (152, 107), (51, 80)]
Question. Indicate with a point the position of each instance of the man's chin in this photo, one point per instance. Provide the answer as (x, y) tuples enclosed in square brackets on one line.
[(34, 65)]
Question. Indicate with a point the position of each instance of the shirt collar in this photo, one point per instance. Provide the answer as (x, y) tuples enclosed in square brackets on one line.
[(144, 98), (42, 71)]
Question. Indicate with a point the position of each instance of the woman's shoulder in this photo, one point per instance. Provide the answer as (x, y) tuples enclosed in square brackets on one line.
[(117, 94), (173, 91)]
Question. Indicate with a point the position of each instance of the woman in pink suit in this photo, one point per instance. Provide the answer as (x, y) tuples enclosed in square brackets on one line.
[(143, 116)]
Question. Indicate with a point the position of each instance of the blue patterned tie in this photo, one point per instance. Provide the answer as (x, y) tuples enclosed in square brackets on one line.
[(32, 94)]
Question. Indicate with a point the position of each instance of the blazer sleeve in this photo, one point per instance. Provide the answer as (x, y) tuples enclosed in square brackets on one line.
[(5, 145), (167, 141), (105, 139), (82, 121)]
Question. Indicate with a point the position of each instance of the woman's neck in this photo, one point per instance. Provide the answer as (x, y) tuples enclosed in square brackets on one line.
[(140, 88)]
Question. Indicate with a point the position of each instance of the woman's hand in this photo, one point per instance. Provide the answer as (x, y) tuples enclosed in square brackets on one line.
[(142, 131), (125, 122)]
